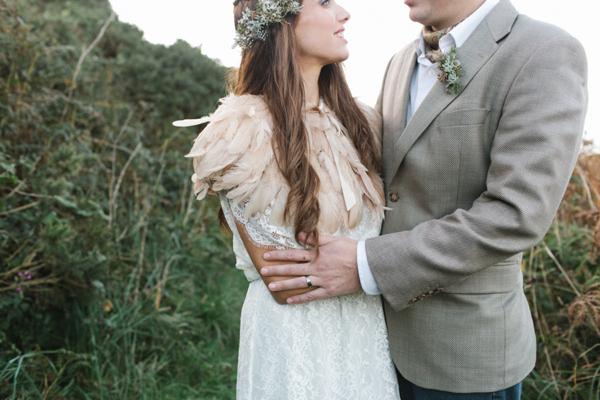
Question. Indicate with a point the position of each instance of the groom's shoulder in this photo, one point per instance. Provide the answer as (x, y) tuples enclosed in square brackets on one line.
[(539, 32), (407, 50)]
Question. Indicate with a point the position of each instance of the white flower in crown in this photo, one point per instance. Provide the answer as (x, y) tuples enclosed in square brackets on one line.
[(253, 24)]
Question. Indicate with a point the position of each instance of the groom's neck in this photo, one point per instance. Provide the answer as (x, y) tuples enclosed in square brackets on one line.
[(453, 12)]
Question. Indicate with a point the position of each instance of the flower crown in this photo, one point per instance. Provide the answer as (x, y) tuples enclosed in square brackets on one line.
[(253, 24)]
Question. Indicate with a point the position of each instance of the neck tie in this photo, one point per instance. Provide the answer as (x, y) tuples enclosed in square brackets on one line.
[(432, 42)]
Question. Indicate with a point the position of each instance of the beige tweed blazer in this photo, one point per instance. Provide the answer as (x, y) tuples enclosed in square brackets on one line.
[(473, 180)]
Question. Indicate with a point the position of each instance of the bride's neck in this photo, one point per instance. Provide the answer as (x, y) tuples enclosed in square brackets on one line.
[(310, 76)]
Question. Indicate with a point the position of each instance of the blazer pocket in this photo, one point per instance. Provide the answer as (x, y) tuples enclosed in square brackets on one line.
[(473, 116)]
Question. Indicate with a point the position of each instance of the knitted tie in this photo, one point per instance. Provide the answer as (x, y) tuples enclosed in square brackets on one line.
[(432, 42)]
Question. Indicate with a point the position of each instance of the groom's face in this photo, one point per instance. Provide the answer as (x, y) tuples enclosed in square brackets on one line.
[(439, 14)]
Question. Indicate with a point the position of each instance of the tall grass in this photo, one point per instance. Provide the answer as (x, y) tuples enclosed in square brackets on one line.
[(180, 345), (562, 283)]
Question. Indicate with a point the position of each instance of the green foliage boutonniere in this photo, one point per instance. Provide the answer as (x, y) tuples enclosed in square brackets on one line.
[(451, 69)]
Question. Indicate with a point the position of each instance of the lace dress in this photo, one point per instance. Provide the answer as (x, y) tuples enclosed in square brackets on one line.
[(327, 349)]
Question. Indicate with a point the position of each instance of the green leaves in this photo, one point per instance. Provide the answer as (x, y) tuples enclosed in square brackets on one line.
[(7, 172), (91, 209), (123, 277)]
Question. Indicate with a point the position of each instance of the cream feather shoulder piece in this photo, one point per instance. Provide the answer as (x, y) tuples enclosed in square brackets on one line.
[(234, 154)]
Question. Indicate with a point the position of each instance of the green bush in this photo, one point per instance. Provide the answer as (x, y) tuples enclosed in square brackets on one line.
[(114, 283)]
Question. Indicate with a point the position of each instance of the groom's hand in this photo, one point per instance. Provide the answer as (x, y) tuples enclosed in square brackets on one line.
[(333, 271)]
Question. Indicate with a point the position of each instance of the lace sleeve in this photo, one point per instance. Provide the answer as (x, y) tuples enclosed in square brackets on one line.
[(261, 232), (258, 229)]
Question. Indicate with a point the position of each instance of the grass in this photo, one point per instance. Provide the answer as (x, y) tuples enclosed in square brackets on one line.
[(562, 283), (133, 350)]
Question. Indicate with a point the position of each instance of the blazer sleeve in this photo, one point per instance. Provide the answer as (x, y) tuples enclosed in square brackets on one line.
[(532, 157)]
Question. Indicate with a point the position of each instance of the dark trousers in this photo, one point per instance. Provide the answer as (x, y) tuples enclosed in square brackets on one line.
[(410, 391)]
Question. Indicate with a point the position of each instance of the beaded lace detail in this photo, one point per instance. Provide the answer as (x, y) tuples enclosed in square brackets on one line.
[(261, 232)]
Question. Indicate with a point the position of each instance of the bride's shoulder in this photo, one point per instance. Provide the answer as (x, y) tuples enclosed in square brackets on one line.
[(234, 149), (233, 108), (246, 107), (234, 102), (372, 115), (373, 118)]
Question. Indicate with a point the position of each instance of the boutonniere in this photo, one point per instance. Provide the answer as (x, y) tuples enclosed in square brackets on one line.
[(450, 68)]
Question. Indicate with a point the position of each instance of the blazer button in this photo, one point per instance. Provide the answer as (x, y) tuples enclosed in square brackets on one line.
[(394, 197)]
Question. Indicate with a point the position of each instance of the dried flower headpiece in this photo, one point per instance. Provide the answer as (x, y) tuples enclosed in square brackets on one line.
[(252, 26)]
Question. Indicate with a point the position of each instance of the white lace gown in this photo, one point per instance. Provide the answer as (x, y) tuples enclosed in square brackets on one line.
[(328, 349)]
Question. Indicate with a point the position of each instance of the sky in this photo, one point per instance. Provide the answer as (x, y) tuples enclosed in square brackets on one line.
[(376, 30)]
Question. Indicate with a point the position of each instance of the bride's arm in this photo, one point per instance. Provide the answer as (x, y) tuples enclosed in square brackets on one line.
[(256, 255)]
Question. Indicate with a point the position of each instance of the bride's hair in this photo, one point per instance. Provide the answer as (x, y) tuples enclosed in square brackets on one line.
[(270, 68)]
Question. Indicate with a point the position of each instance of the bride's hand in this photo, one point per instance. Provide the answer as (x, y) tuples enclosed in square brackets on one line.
[(334, 270)]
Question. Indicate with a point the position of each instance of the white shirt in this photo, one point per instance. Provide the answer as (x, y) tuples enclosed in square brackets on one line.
[(424, 77)]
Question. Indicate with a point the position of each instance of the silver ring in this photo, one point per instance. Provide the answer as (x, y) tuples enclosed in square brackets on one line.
[(308, 282)]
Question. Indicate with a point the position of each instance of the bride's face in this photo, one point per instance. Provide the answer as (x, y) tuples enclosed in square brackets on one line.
[(320, 32)]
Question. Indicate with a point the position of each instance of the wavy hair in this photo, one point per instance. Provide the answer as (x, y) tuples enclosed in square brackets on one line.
[(271, 68)]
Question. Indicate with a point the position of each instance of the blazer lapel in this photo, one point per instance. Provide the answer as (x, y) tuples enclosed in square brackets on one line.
[(400, 98), (473, 55), (403, 86)]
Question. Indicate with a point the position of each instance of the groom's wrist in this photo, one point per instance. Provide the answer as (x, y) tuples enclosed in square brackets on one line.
[(367, 281)]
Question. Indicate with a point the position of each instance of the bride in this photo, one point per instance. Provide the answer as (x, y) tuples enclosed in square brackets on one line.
[(290, 151)]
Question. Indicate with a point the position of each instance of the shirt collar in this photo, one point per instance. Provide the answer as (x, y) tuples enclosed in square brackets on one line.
[(459, 35)]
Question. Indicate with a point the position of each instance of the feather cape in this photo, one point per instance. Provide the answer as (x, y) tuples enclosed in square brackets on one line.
[(234, 153)]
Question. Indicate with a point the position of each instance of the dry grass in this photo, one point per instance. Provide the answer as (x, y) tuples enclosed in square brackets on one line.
[(563, 287)]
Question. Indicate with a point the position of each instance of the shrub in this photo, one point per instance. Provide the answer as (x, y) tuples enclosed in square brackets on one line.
[(113, 282)]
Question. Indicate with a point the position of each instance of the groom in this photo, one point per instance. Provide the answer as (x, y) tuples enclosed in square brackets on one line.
[(473, 177)]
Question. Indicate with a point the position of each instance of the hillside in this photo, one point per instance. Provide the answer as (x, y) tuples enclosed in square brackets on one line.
[(115, 283)]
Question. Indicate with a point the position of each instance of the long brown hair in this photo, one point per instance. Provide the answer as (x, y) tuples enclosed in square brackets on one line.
[(271, 69)]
